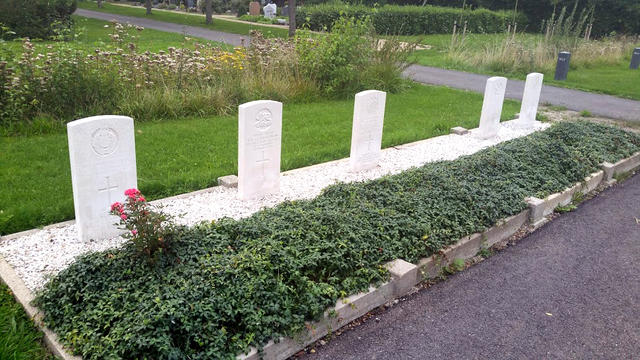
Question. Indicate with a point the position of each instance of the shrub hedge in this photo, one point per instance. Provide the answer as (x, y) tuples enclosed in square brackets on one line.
[(408, 20), (36, 18), (232, 284)]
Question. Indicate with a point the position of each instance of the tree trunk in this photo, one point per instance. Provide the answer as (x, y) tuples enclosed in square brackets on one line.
[(148, 6), (292, 18), (99, 3), (209, 11)]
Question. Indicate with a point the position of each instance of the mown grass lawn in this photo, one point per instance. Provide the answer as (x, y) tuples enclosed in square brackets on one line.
[(185, 19), (19, 339), (189, 154), (615, 79)]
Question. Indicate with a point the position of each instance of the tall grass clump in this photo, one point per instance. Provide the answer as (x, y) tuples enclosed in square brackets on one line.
[(518, 53), (44, 87)]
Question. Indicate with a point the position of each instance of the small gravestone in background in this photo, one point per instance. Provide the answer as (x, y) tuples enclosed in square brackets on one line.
[(530, 100), (366, 135), (492, 107), (270, 11), (259, 145), (635, 59), (285, 11), (254, 8), (103, 165), (562, 68)]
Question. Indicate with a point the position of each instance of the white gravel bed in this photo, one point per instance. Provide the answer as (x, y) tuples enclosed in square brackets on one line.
[(41, 254)]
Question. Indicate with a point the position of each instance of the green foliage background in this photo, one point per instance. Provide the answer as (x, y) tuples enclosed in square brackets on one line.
[(407, 20), (232, 284), (36, 19)]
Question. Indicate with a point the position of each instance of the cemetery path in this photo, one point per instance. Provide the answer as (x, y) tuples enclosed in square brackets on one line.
[(598, 104), (570, 290), (213, 35)]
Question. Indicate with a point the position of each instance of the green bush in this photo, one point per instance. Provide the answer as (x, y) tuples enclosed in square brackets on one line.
[(408, 20), (36, 18), (620, 16), (234, 284)]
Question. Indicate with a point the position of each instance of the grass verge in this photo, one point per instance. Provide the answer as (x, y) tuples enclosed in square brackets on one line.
[(184, 155), (19, 338)]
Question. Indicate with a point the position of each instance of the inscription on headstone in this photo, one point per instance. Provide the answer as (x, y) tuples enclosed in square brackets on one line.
[(562, 67), (259, 145), (492, 107), (103, 166), (530, 100), (635, 59), (366, 135)]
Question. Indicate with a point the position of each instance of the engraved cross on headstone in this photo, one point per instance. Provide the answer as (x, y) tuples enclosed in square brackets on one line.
[(370, 140), (262, 163), (108, 188)]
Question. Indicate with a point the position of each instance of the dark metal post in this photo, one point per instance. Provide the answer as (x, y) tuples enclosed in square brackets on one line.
[(562, 68)]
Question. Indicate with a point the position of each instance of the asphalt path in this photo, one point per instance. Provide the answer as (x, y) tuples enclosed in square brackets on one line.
[(570, 290), (219, 36)]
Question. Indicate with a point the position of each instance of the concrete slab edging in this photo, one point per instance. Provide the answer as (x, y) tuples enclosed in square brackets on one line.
[(404, 275)]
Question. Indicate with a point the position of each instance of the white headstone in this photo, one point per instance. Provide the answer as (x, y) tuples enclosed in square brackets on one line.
[(103, 165), (366, 134), (492, 107), (270, 11), (530, 100), (259, 144)]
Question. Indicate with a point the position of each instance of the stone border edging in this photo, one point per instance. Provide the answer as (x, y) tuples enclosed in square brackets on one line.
[(404, 275)]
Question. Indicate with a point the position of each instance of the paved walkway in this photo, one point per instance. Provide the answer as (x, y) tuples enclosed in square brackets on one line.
[(571, 290), (233, 39), (601, 105), (597, 104)]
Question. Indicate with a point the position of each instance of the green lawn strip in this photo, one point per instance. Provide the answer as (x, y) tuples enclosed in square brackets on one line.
[(92, 34), (616, 79), (184, 155), (234, 284), (185, 19), (19, 338)]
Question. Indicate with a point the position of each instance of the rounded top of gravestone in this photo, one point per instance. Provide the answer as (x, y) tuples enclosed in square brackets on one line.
[(97, 120)]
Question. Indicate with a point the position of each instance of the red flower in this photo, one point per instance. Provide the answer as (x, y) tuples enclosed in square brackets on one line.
[(132, 193), (141, 198), (123, 217), (116, 205), (134, 231)]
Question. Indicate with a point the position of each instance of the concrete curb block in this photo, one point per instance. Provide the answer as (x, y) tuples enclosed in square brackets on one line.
[(404, 275), (540, 208)]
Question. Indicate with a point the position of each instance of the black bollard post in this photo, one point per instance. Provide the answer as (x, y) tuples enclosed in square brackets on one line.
[(635, 59), (562, 68)]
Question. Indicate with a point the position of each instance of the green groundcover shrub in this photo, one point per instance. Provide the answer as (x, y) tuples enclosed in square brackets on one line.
[(408, 20), (232, 284), (39, 19)]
